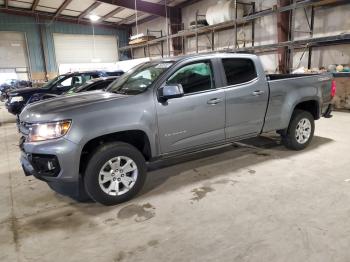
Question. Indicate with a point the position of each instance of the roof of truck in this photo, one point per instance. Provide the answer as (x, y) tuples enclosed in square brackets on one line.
[(84, 72), (183, 57)]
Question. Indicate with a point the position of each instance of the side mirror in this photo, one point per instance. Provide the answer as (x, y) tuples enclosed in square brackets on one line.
[(170, 91)]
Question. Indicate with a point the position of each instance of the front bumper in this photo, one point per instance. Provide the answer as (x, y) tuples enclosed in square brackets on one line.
[(66, 152), (64, 178)]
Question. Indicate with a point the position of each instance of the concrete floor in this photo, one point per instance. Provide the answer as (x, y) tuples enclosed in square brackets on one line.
[(261, 203)]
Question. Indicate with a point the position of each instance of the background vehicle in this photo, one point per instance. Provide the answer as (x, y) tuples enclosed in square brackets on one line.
[(59, 85), (115, 73), (91, 85), (10, 85), (99, 142)]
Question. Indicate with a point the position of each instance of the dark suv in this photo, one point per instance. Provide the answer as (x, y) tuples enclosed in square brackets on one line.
[(60, 84)]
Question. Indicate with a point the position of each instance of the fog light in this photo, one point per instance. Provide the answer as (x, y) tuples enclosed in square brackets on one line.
[(45, 165), (50, 165)]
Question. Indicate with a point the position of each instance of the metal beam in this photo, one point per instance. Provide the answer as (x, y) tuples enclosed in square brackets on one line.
[(187, 3), (312, 21), (113, 13), (43, 46), (143, 6), (129, 18), (145, 20), (314, 42), (152, 17), (35, 4), (176, 26), (62, 7), (88, 10), (291, 38), (48, 16), (283, 32)]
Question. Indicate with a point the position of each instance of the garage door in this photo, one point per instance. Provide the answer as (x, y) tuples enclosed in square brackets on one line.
[(81, 49), (13, 56)]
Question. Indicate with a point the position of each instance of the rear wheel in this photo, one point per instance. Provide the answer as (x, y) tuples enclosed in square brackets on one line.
[(300, 130), (115, 173)]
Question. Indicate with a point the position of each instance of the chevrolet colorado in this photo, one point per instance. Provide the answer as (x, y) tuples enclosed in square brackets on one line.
[(99, 142)]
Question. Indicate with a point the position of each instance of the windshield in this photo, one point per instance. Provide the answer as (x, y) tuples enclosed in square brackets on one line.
[(52, 82), (79, 88), (138, 79)]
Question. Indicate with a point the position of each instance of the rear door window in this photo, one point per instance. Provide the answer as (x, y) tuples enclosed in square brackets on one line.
[(239, 70)]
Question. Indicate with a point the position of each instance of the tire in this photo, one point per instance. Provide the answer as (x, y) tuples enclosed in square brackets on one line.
[(290, 136), (109, 163)]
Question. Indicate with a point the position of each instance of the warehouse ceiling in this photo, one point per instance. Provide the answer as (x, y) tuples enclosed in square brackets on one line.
[(108, 12)]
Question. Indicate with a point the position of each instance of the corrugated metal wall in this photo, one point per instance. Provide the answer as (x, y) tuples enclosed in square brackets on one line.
[(30, 27), (27, 26)]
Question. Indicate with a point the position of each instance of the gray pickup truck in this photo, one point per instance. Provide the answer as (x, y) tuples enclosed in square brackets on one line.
[(98, 143)]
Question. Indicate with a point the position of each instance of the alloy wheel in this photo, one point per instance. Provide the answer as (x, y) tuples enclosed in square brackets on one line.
[(303, 131), (118, 175)]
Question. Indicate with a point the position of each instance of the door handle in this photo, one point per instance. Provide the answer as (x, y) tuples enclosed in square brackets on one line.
[(258, 93), (214, 101)]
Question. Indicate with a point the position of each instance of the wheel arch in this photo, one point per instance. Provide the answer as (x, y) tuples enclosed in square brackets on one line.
[(311, 105), (137, 138)]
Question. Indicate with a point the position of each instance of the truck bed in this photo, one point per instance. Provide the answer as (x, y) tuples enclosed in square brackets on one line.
[(285, 89)]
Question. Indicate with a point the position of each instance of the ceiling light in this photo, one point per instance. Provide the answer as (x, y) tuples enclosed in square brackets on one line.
[(133, 37), (94, 18)]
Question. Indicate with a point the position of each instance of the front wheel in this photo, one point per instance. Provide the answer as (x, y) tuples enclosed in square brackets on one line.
[(115, 173), (300, 130)]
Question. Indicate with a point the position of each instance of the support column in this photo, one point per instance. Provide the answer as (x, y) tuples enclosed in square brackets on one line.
[(311, 35), (43, 48), (176, 26), (283, 32)]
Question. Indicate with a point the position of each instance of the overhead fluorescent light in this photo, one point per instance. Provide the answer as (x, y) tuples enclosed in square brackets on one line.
[(96, 60), (133, 37), (94, 18)]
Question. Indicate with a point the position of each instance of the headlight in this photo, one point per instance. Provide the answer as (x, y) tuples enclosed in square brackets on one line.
[(16, 99), (46, 131)]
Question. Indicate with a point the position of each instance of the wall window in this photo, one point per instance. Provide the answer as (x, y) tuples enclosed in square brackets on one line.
[(194, 78), (238, 70)]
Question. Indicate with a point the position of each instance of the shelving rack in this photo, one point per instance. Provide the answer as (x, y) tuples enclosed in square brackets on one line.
[(306, 44)]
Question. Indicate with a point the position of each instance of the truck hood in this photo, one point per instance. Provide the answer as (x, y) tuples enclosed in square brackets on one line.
[(27, 90), (53, 109)]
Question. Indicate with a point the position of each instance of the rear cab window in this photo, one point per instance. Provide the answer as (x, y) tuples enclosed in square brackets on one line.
[(238, 70)]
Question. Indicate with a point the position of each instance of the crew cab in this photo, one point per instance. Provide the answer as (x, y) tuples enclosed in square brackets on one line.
[(98, 143), (18, 98)]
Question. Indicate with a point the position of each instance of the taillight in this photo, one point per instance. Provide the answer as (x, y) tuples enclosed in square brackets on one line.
[(333, 88)]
